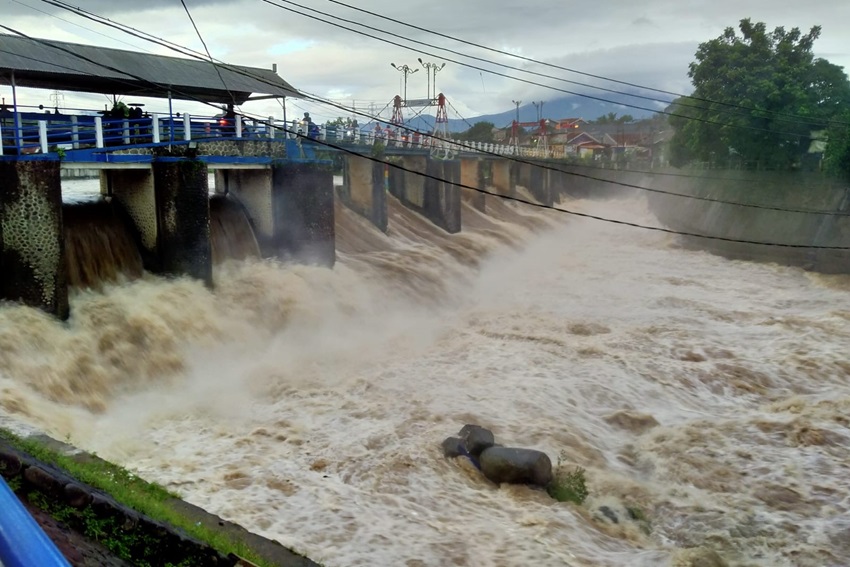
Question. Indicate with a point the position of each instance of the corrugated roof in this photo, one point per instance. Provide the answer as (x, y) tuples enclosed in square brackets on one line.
[(48, 64)]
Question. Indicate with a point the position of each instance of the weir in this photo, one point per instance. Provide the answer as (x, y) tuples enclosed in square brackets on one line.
[(430, 187), (274, 192)]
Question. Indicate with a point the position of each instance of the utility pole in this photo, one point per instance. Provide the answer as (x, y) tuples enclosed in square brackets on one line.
[(429, 68), (539, 107), (517, 103), (406, 71)]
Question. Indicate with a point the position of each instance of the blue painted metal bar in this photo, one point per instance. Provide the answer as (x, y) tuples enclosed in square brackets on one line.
[(22, 541)]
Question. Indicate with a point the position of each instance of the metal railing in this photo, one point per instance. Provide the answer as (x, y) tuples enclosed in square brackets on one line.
[(22, 541), (42, 133)]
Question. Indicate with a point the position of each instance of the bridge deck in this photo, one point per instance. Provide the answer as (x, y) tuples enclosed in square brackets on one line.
[(108, 142)]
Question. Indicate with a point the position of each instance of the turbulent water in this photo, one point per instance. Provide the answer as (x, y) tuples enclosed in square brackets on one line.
[(309, 405)]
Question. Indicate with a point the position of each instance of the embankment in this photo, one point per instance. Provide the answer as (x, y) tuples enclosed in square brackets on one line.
[(806, 215)]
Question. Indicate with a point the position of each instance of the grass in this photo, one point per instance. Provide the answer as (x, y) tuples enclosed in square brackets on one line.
[(640, 517), (568, 485), (149, 499)]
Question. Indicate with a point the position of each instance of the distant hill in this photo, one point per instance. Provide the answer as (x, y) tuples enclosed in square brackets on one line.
[(567, 107)]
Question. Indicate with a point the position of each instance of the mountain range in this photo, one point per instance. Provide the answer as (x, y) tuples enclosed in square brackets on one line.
[(566, 107)]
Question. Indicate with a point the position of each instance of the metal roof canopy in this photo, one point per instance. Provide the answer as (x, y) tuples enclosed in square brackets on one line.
[(38, 64)]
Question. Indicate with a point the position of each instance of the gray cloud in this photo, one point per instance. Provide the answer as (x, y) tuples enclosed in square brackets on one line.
[(650, 43)]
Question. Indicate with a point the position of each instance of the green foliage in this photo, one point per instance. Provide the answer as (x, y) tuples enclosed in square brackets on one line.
[(611, 118), (344, 122), (378, 149), (773, 73), (14, 483), (149, 499), (640, 517), (568, 485), (836, 159), (120, 109), (478, 132)]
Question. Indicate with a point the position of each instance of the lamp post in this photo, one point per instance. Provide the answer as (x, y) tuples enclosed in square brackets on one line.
[(404, 69), (429, 68), (539, 107), (517, 103)]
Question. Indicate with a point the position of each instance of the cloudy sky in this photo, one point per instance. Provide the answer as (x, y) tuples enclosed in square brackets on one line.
[(649, 42)]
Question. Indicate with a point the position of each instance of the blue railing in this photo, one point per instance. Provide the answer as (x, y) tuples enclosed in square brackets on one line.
[(42, 133), (22, 541)]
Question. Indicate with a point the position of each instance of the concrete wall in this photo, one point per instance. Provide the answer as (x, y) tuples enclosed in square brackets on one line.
[(430, 187), (253, 189), (788, 191), (32, 250), (502, 180), (183, 218), (133, 191), (363, 189), (536, 178), (303, 213), (471, 175), (290, 207), (785, 190)]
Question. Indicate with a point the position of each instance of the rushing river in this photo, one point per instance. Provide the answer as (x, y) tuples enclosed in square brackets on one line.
[(309, 405)]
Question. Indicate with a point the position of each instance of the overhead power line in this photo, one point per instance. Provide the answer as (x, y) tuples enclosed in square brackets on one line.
[(207, 49), (505, 75), (186, 51), (802, 119), (436, 178)]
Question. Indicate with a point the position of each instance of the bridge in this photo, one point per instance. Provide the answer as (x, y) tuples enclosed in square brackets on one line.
[(154, 168)]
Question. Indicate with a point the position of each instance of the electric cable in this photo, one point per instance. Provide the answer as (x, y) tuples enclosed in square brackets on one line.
[(514, 158), (207, 49), (799, 120), (562, 68), (459, 185)]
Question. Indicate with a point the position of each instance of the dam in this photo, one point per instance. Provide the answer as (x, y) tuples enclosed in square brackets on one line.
[(308, 404)]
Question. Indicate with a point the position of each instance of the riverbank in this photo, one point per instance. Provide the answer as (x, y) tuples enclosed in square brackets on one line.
[(100, 514)]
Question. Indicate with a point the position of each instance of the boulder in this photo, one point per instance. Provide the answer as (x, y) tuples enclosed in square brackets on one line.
[(476, 439), (453, 447), (77, 496), (10, 464), (516, 466)]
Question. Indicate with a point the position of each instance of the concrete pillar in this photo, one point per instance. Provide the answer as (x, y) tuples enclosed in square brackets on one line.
[(412, 189), (522, 174), (133, 191), (557, 182), (363, 189), (538, 184), (253, 189), (183, 217), (442, 195), (32, 251), (430, 187), (303, 213), (471, 176), (502, 181), (222, 181)]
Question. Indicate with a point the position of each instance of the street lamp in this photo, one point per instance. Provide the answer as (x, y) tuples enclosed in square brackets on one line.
[(517, 103), (406, 71), (539, 107), (429, 68)]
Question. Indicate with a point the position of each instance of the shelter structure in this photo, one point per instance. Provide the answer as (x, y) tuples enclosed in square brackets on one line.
[(47, 64)]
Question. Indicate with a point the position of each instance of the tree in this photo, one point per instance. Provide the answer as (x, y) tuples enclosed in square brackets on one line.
[(340, 121), (767, 94), (611, 118), (478, 132), (837, 155)]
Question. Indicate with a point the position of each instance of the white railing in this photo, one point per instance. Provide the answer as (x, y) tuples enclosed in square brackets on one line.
[(86, 131)]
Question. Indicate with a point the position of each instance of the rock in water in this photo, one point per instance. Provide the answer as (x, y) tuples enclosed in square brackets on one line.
[(476, 439), (453, 447), (516, 466)]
